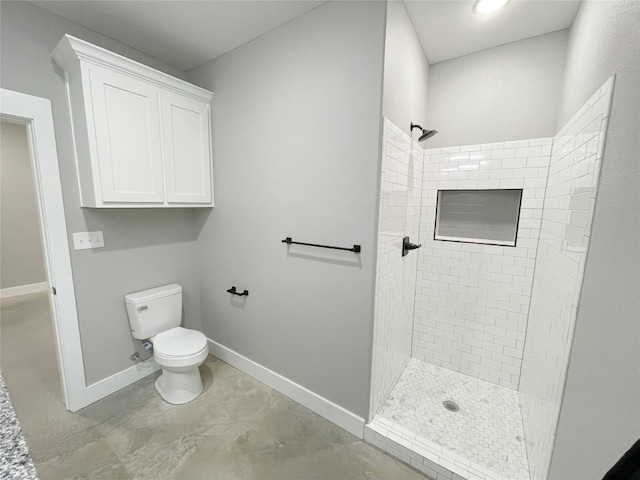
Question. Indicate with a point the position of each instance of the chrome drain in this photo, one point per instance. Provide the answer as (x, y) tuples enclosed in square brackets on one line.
[(451, 405)]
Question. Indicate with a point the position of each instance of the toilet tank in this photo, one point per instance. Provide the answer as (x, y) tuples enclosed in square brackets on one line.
[(155, 310)]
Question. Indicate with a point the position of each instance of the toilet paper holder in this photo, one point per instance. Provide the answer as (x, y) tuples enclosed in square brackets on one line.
[(233, 291)]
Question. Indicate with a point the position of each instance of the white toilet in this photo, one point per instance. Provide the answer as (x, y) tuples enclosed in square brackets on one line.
[(156, 314)]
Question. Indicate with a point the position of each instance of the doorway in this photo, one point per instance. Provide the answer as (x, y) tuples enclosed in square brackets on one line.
[(35, 115), (22, 269), (27, 345)]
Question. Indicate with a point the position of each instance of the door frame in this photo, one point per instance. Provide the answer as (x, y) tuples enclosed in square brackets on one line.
[(37, 116)]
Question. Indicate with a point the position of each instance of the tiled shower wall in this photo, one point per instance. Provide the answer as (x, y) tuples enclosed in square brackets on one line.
[(400, 190), (472, 300), (564, 239)]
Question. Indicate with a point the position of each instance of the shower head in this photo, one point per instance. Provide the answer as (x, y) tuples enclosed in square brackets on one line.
[(425, 133)]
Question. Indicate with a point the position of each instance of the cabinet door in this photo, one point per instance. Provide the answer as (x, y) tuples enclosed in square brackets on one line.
[(187, 149), (127, 138)]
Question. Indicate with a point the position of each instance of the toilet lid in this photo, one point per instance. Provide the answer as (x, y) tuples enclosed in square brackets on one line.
[(179, 341)]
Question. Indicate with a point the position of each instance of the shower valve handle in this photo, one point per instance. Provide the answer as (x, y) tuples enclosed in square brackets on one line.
[(407, 246)]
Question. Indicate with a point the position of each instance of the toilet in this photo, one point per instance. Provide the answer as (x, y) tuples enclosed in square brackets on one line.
[(155, 315)]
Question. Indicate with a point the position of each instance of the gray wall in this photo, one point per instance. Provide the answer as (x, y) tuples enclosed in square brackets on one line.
[(144, 248), (406, 71), (600, 413), (509, 92), (20, 247), (297, 126)]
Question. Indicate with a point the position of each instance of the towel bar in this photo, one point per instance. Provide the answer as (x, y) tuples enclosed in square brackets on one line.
[(355, 248)]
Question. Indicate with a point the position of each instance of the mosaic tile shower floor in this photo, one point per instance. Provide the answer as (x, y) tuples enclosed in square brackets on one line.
[(483, 440)]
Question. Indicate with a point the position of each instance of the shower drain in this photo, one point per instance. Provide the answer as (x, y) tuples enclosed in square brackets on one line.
[(451, 405)]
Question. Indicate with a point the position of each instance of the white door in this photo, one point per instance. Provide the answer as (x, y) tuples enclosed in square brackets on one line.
[(185, 131), (127, 133)]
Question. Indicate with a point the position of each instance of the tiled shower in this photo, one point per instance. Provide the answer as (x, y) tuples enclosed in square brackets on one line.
[(486, 326)]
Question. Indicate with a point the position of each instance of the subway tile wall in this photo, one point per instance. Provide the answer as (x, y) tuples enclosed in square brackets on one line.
[(399, 216), (564, 240), (472, 300)]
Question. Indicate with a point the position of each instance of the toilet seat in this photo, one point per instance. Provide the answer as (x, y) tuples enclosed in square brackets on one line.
[(183, 362), (180, 348), (179, 342)]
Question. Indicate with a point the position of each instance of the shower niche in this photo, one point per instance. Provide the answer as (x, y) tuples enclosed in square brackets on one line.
[(478, 216)]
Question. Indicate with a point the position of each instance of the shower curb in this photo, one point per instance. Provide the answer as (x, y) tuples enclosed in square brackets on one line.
[(435, 462)]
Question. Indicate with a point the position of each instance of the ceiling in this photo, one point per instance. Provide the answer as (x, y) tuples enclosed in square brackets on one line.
[(187, 33), (450, 29)]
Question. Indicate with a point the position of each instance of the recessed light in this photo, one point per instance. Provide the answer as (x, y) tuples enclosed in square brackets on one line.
[(489, 6)]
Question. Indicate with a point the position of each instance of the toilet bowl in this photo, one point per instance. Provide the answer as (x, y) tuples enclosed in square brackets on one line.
[(155, 314), (179, 351)]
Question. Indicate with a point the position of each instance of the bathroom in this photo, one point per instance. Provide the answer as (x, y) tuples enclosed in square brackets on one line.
[(298, 132)]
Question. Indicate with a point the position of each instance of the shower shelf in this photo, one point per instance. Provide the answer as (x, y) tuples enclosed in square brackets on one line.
[(355, 248)]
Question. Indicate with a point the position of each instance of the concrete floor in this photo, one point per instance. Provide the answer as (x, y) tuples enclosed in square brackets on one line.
[(237, 429)]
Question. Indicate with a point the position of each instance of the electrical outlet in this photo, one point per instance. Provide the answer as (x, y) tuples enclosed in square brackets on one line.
[(85, 240)]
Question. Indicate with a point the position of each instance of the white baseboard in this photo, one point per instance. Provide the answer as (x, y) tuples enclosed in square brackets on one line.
[(117, 381), (23, 289), (323, 407)]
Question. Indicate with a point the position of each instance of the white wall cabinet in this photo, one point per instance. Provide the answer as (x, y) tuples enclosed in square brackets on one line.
[(142, 137), (186, 145)]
